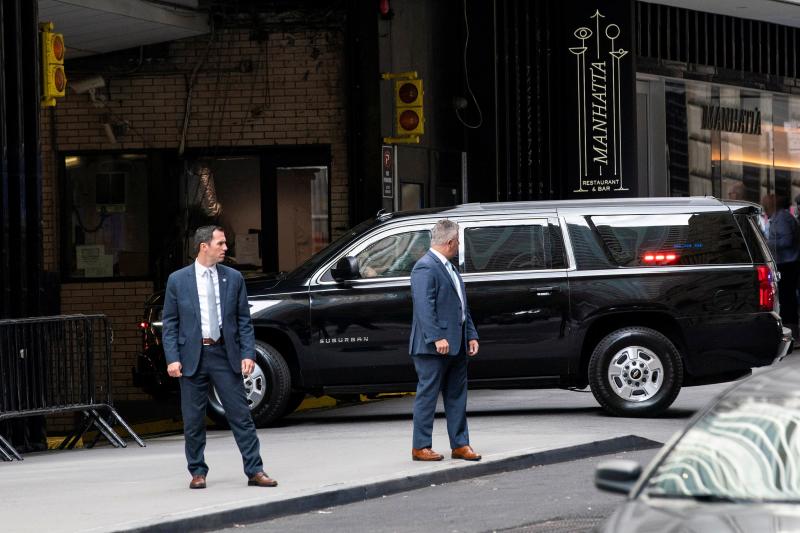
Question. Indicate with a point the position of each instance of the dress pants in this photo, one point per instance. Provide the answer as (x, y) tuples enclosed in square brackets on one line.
[(448, 374), (214, 369)]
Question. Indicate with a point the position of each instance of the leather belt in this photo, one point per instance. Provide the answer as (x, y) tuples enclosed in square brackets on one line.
[(212, 342)]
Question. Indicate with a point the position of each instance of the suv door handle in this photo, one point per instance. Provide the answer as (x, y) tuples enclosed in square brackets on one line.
[(544, 290)]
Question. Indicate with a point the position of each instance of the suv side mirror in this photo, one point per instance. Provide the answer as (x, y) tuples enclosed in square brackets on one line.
[(617, 476), (346, 268)]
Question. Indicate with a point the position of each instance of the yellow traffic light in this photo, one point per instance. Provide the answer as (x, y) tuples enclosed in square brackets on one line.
[(54, 79), (408, 110)]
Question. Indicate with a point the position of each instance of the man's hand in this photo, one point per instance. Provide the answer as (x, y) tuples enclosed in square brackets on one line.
[(473, 348), (247, 366), (174, 369), (442, 346)]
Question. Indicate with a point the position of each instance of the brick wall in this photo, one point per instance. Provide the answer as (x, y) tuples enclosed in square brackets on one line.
[(294, 95)]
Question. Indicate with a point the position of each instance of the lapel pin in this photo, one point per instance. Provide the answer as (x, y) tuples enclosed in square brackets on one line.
[(224, 280)]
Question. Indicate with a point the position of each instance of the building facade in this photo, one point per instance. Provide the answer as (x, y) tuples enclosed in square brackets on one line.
[(271, 123)]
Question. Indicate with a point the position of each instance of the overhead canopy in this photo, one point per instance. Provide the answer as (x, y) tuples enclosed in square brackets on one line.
[(91, 27)]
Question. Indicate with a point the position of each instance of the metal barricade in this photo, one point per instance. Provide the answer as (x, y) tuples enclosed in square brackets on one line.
[(59, 364)]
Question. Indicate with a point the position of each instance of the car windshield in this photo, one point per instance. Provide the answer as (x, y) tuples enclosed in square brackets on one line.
[(307, 268), (744, 449)]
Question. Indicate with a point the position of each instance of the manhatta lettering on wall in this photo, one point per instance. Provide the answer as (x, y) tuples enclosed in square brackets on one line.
[(598, 99), (731, 119)]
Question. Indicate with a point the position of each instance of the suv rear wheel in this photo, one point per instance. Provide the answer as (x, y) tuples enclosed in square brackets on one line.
[(635, 371), (268, 388)]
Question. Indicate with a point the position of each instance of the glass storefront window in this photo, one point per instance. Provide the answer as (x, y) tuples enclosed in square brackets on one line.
[(731, 142), (107, 196), (786, 145)]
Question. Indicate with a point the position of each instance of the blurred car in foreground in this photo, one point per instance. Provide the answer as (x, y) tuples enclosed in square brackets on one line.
[(735, 468)]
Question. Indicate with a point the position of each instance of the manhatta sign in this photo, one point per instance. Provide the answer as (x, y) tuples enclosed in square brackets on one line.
[(731, 119), (598, 99)]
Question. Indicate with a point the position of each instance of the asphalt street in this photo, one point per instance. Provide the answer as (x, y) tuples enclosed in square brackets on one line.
[(552, 498)]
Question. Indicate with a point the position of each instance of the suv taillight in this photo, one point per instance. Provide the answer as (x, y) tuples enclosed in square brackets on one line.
[(766, 289)]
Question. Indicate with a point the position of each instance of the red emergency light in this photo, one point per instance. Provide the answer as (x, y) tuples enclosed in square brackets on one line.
[(659, 258)]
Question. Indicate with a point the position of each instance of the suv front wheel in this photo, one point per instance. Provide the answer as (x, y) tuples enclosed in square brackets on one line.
[(268, 388), (635, 371)]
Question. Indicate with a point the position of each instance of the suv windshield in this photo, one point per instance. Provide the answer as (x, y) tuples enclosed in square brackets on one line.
[(741, 450)]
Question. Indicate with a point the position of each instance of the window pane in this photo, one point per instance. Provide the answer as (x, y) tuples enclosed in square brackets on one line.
[(504, 248), (107, 202), (743, 449), (694, 239), (394, 255), (303, 221)]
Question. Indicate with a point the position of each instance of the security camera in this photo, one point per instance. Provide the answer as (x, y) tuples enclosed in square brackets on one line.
[(88, 84)]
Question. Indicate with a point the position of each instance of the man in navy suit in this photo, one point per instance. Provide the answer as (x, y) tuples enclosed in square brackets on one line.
[(208, 339), (442, 335)]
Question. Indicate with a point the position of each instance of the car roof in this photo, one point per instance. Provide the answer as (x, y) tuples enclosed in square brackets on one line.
[(782, 380), (687, 202)]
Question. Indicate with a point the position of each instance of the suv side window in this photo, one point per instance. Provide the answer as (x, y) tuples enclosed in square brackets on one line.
[(656, 240), (506, 248), (394, 255), (752, 237)]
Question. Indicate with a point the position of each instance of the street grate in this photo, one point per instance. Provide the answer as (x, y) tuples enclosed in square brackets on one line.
[(559, 525)]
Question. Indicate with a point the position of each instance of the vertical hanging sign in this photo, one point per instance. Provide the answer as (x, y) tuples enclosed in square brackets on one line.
[(387, 170), (603, 96)]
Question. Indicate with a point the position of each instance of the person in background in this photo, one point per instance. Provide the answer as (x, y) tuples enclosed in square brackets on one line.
[(782, 237), (736, 191), (767, 210)]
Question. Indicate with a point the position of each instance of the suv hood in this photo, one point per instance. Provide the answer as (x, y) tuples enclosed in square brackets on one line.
[(688, 516)]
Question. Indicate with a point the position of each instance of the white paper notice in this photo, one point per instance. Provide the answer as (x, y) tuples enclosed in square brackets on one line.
[(247, 249), (95, 263)]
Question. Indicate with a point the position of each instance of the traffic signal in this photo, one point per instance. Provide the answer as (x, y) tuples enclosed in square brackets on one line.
[(408, 111), (54, 80)]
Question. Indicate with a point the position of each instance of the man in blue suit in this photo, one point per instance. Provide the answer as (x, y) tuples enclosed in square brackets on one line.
[(442, 335), (208, 339)]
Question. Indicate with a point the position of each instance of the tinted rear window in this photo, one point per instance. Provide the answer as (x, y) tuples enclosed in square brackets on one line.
[(505, 248), (635, 240)]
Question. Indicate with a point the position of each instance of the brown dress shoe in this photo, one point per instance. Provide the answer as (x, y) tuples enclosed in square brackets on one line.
[(262, 480), (198, 482), (466, 453), (425, 454)]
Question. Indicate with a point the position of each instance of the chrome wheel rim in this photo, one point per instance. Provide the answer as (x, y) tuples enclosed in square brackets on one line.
[(255, 389), (635, 374)]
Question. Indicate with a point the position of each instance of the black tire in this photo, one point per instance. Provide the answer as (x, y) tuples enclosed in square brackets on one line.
[(618, 352), (268, 389)]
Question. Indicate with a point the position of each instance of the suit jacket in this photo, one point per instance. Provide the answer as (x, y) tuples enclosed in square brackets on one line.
[(437, 308), (182, 334)]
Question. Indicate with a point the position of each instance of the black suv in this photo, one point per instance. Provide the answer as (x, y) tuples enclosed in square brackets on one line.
[(634, 298)]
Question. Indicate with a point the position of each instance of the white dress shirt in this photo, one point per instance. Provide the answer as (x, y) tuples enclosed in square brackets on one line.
[(454, 278), (200, 273)]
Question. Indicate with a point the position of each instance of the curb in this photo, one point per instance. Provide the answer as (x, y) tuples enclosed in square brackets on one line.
[(301, 504)]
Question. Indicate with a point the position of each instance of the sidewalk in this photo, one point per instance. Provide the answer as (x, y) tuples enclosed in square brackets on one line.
[(320, 459)]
